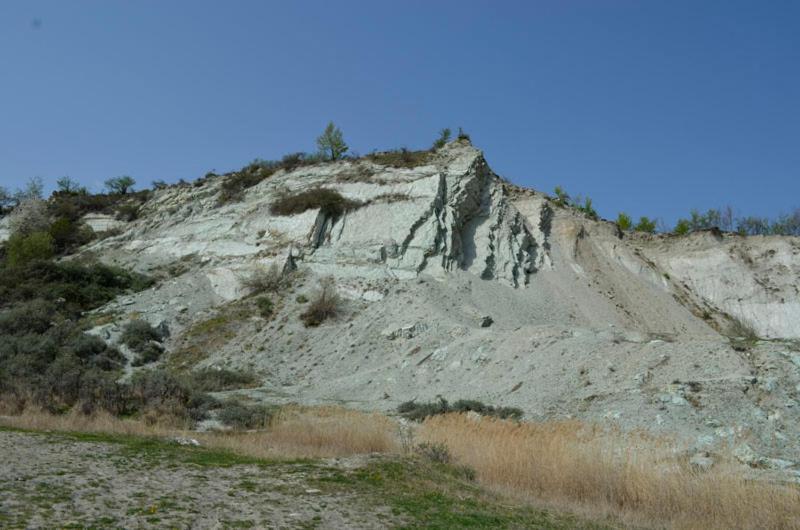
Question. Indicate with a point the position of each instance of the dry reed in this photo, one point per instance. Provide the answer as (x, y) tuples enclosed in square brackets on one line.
[(632, 478)]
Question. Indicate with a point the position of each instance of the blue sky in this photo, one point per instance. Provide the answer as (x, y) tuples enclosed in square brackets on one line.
[(651, 107)]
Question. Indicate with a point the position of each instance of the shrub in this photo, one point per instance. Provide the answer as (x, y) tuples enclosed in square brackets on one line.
[(220, 379), (624, 221), (242, 416), (682, 227), (646, 225), (270, 280), (265, 306), (419, 411), (301, 299), (444, 137), (435, 452), (138, 335), (149, 353), (463, 135), (127, 212), (401, 158), (588, 209), (23, 249), (68, 234), (325, 305), (329, 202), (562, 197)]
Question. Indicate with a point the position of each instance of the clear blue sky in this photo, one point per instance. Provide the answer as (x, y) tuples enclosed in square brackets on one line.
[(652, 107)]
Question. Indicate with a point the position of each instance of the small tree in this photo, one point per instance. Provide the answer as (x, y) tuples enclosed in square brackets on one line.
[(120, 185), (645, 224), (682, 227), (463, 135), (624, 221), (33, 189), (444, 137), (562, 197), (331, 143), (67, 185)]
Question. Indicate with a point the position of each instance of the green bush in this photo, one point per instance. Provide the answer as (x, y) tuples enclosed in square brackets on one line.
[(217, 380), (646, 225), (242, 416), (138, 335), (23, 249), (682, 227), (444, 137), (149, 353), (419, 411), (265, 307), (624, 221), (330, 202), (562, 197)]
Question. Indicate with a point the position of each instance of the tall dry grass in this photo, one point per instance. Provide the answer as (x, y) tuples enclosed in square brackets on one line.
[(632, 478), (296, 432)]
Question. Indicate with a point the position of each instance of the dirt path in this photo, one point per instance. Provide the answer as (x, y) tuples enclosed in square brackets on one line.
[(49, 480)]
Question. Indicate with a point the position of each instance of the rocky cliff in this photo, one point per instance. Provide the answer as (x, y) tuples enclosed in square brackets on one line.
[(458, 283)]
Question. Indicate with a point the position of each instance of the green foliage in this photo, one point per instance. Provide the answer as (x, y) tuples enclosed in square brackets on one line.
[(120, 185), (265, 307), (624, 221), (68, 185), (138, 334), (242, 416), (330, 202), (23, 249), (401, 158), (463, 135), (6, 199), (68, 235), (562, 197), (682, 227), (645, 224), (419, 411), (159, 184), (331, 142), (444, 137), (127, 212), (588, 209), (235, 184), (220, 379)]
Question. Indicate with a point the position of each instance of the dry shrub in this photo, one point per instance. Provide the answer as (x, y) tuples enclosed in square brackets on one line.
[(323, 306), (402, 158), (633, 478), (330, 202), (270, 280)]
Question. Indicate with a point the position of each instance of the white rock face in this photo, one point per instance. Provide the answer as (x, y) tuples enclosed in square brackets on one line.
[(585, 322)]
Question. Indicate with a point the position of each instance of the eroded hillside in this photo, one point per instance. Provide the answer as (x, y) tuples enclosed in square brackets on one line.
[(459, 284)]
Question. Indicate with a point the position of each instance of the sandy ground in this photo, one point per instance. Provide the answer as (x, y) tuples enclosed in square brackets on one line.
[(49, 481)]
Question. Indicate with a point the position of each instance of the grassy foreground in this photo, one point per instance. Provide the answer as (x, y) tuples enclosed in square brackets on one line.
[(455, 471), (220, 487)]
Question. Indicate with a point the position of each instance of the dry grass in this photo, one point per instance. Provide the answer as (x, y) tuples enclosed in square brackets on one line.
[(598, 473), (295, 432), (314, 433), (635, 479)]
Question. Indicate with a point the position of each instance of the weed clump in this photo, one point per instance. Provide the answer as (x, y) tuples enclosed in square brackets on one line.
[(143, 339), (220, 379), (326, 304)]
